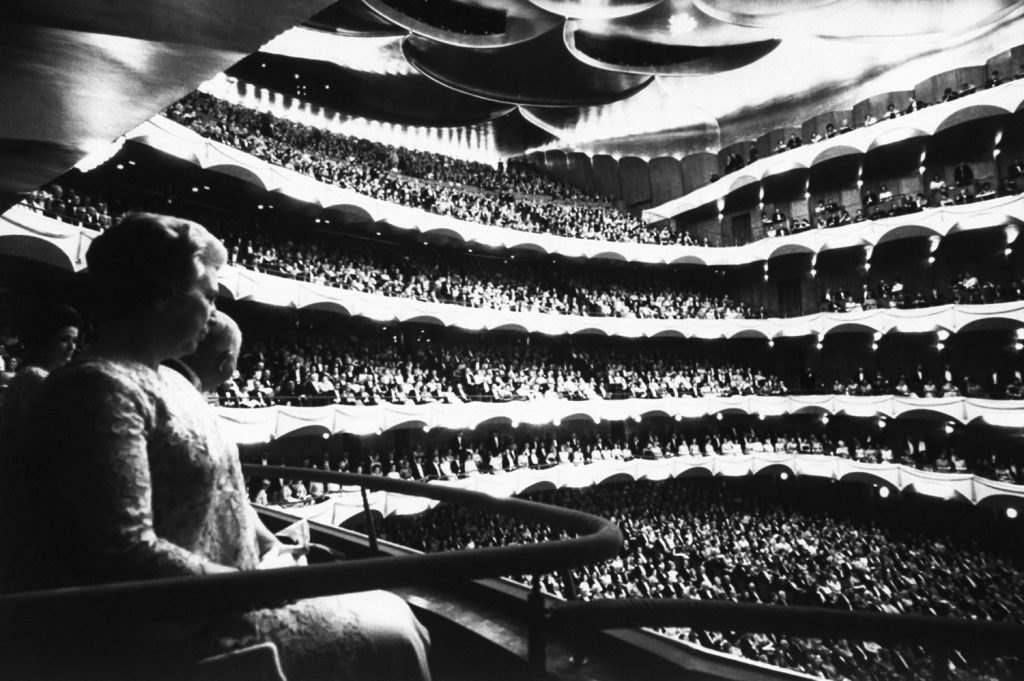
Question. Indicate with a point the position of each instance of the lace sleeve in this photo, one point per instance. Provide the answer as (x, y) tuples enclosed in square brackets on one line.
[(96, 427)]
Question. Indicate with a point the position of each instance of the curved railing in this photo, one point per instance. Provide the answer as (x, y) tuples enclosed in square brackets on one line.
[(203, 596), (181, 596)]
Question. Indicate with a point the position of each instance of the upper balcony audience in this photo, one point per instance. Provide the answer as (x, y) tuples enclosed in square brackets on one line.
[(514, 195), (505, 199)]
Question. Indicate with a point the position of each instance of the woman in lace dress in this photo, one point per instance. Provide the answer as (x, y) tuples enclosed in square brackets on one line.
[(144, 486)]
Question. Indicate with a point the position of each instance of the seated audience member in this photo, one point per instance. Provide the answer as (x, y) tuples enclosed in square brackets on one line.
[(49, 334), (145, 486), (215, 357), (913, 105)]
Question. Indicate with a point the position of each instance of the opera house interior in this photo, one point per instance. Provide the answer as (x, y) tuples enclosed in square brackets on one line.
[(512, 339)]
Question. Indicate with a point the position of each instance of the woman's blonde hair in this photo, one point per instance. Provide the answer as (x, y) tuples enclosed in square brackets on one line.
[(147, 257)]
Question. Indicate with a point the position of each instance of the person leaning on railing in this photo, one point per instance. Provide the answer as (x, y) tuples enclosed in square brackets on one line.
[(145, 486)]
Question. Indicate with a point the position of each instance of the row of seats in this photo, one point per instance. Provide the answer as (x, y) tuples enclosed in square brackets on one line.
[(469, 453), (277, 245), (329, 158)]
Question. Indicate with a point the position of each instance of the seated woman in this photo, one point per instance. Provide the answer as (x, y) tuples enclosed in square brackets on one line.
[(145, 486), (49, 334)]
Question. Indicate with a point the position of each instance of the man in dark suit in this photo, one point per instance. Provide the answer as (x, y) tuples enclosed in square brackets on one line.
[(963, 176)]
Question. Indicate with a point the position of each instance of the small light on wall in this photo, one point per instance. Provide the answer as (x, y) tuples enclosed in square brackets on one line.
[(882, 422), (940, 346), (784, 476), (884, 492), (874, 346), (771, 343), (814, 272), (1011, 513), (326, 436), (819, 345), (824, 419), (1018, 346), (1007, 251), (718, 416), (948, 427), (942, 334), (931, 259)]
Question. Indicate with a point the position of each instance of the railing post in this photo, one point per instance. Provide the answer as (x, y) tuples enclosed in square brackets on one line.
[(371, 526), (536, 643), (577, 654)]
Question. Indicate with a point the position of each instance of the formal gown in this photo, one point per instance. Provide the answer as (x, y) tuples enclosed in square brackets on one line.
[(148, 487)]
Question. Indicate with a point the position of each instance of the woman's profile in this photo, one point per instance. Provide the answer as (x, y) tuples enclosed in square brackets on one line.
[(144, 485)]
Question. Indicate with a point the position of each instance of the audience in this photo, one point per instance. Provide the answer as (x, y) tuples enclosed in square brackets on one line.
[(478, 452), (450, 276), (518, 199), (304, 368), (963, 289), (685, 539)]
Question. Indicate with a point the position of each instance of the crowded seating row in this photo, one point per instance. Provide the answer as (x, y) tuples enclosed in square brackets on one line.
[(709, 541), (331, 158), (876, 204), (304, 369), (169, 137), (275, 244), (476, 452), (893, 169), (440, 276)]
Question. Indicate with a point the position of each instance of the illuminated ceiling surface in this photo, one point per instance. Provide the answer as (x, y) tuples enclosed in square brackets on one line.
[(623, 77)]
